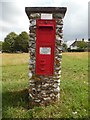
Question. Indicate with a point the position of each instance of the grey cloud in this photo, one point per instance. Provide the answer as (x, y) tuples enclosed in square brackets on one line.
[(11, 17), (10, 12), (75, 21), (89, 20)]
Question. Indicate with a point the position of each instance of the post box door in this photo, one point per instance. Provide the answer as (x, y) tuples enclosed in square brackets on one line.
[(45, 45)]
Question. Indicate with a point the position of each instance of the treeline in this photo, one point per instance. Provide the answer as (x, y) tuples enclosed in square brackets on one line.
[(16, 43)]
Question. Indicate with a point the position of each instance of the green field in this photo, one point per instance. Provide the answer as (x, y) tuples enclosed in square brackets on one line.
[(73, 89)]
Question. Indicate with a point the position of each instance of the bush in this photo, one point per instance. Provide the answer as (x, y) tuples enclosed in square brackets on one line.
[(76, 50)]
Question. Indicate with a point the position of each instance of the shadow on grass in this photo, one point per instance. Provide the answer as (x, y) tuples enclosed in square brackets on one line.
[(15, 99)]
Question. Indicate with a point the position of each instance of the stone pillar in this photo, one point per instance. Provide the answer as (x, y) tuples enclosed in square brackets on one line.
[(44, 90)]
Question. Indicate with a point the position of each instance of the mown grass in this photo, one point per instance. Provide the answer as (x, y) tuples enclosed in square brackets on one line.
[(73, 95)]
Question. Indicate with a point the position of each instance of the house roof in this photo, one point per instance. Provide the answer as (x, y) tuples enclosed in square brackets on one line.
[(74, 43), (70, 43)]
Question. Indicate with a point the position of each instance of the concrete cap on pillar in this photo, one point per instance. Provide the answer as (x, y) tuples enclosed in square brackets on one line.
[(61, 10)]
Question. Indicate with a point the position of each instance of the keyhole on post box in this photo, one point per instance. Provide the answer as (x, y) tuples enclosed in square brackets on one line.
[(46, 22)]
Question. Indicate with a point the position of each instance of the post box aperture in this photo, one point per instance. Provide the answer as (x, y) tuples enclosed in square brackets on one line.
[(45, 46)]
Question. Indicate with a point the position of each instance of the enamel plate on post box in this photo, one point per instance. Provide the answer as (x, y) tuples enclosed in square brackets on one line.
[(45, 50), (46, 16)]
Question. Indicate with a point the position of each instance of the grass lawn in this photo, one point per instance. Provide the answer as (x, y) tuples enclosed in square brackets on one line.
[(73, 88)]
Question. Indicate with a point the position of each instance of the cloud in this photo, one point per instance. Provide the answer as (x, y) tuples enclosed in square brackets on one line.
[(89, 20), (75, 23), (15, 19)]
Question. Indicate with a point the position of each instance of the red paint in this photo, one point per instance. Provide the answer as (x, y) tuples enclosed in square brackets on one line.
[(45, 37)]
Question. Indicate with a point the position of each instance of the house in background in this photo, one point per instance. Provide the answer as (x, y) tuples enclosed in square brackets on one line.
[(78, 45), (74, 46)]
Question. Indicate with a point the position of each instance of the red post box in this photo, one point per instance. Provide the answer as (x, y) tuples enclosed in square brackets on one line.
[(45, 46)]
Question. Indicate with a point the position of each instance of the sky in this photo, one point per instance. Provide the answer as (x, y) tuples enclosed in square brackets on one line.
[(13, 16)]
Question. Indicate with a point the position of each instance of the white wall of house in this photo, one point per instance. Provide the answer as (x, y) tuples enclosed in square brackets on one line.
[(73, 47)]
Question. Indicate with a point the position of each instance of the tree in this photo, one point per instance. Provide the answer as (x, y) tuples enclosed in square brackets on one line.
[(22, 42), (1, 45), (64, 45), (14, 42), (81, 45), (9, 41)]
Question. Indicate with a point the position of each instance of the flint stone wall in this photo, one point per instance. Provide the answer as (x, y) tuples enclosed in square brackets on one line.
[(45, 89)]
